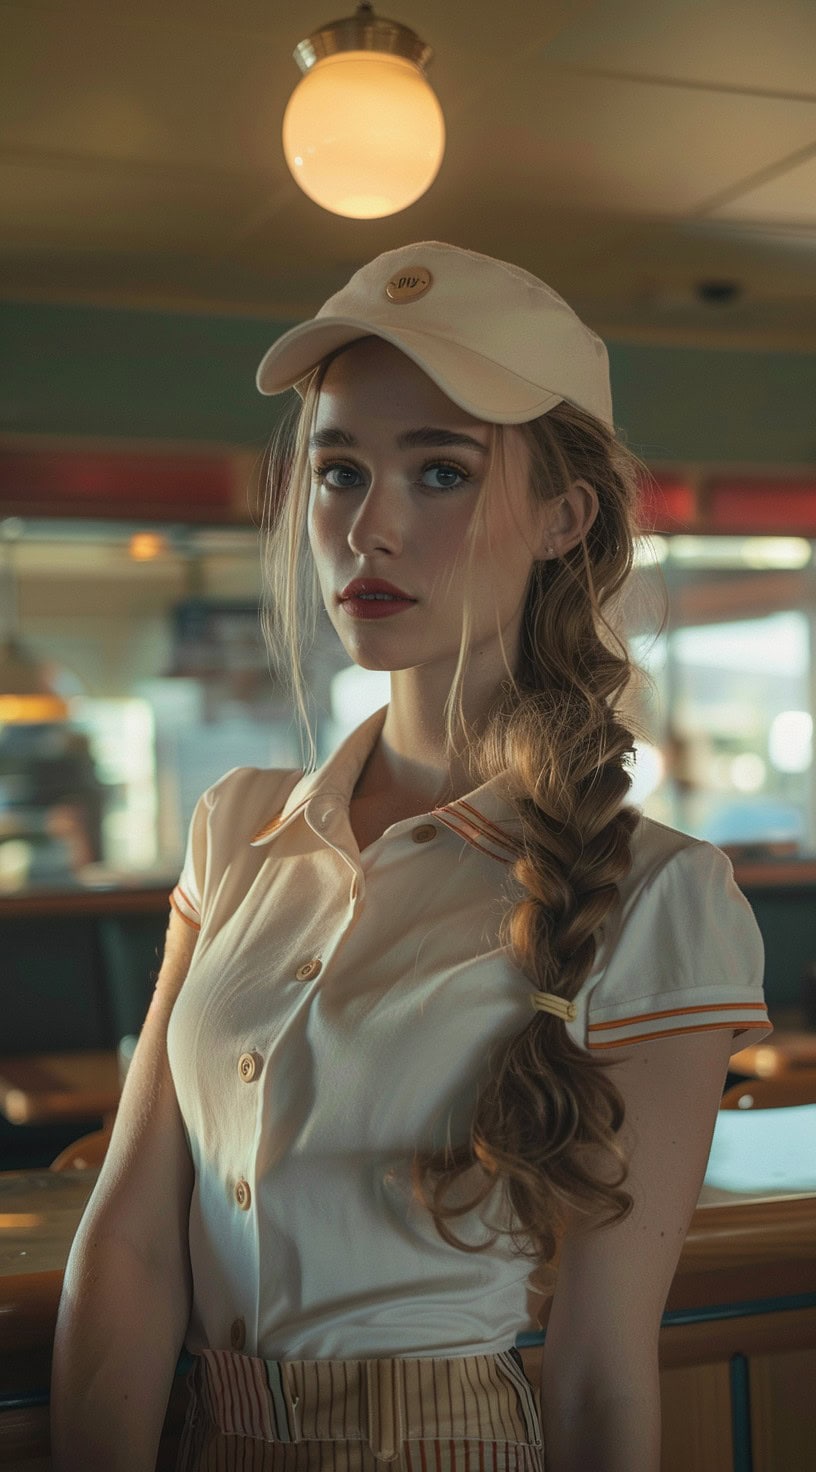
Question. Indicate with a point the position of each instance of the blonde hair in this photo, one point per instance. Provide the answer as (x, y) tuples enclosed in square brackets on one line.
[(546, 1121)]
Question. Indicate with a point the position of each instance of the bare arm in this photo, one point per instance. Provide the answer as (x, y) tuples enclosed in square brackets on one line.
[(600, 1385), (126, 1295)]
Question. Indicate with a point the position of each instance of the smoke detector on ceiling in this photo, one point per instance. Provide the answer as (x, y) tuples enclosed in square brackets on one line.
[(683, 297), (718, 291)]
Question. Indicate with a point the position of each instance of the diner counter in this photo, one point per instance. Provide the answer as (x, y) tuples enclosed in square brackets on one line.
[(743, 1300), (739, 1245)]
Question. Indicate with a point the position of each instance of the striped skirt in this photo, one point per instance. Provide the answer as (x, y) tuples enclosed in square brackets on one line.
[(474, 1413)]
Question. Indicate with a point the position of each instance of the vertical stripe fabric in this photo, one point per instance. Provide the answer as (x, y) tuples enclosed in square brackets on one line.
[(473, 1413)]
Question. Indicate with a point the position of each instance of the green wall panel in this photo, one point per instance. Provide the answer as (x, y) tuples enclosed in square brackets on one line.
[(80, 370), (71, 370)]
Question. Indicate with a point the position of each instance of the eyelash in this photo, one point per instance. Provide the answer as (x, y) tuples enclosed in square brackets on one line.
[(321, 471)]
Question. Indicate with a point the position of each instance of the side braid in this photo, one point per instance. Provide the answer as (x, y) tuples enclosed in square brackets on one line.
[(546, 1120)]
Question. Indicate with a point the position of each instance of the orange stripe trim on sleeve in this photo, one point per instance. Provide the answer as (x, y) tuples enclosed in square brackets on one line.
[(678, 1012), (187, 921), (669, 1032)]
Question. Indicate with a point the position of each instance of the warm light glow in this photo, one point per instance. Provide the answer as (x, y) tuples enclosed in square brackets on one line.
[(766, 1062), (32, 710), (363, 134), (146, 546)]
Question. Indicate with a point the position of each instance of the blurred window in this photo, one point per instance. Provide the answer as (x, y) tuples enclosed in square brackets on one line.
[(152, 638)]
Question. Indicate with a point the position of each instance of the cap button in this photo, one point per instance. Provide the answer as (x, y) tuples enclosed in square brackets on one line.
[(408, 284)]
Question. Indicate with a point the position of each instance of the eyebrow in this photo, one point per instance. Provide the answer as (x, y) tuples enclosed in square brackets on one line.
[(326, 439)]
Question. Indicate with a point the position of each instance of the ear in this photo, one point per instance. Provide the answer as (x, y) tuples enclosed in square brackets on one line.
[(568, 519)]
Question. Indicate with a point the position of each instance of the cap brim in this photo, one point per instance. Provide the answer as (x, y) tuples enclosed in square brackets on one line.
[(477, 385)]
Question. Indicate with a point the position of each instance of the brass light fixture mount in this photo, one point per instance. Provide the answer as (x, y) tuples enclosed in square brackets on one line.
[(363, 132), (363, 31)]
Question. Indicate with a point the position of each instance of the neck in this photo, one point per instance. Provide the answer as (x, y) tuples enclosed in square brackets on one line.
[(408, 761)]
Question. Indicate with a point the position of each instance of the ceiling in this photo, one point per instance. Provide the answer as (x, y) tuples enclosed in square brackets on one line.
[(627, 151)]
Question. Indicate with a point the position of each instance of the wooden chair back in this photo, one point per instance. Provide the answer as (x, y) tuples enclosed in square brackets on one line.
[(88, 1150)]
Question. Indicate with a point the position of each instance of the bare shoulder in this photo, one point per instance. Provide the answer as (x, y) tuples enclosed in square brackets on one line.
[(613, 1281)]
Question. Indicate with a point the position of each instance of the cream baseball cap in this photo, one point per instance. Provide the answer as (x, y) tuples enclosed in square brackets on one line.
[(496, 340)]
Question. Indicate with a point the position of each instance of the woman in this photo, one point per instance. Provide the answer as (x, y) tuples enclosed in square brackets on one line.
[(425, 1009)]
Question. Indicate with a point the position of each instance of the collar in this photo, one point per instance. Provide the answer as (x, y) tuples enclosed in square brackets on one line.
[(485, 817)]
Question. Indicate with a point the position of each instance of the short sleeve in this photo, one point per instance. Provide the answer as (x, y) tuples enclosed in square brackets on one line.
[(688, 956), (186, 896), (223, 821)]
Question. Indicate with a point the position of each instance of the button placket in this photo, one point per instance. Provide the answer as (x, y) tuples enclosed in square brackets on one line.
[(249, 1066)]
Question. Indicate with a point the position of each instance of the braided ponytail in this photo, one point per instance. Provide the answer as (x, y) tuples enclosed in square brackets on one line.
[(549, 1109)]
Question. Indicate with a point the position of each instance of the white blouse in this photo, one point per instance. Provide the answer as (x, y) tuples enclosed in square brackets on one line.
[(339, 1010)]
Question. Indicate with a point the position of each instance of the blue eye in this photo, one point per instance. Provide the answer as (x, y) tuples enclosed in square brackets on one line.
[(321, 474), (343, 467), (447, 468)]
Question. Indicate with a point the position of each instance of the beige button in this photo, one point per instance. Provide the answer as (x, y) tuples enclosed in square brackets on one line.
[(237, 1334), (410, 283), (424, 833), (249, 1066), (243, 1195), (308, 970)]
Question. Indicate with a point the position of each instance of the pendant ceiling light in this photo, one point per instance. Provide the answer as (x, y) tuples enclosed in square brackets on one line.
[(363, 132)]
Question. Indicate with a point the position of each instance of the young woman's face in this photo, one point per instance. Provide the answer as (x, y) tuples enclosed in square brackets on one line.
[(388, 503)]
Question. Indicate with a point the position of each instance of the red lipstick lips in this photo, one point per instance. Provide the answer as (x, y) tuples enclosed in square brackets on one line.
[(373, 585), (374, 598)]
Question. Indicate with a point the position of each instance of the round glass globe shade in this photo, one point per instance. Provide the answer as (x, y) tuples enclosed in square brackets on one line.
[(363, 134)]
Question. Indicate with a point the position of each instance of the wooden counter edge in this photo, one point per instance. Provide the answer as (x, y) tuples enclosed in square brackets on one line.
[(746, 1251), (153, 901), (750, 1232)]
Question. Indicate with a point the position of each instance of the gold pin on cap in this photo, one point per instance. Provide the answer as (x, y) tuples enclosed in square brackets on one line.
[(409, 284)]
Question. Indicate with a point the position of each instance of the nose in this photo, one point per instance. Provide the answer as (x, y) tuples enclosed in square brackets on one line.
[(378, 523)]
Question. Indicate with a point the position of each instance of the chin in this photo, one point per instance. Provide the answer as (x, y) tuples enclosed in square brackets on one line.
[(368, 662)]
